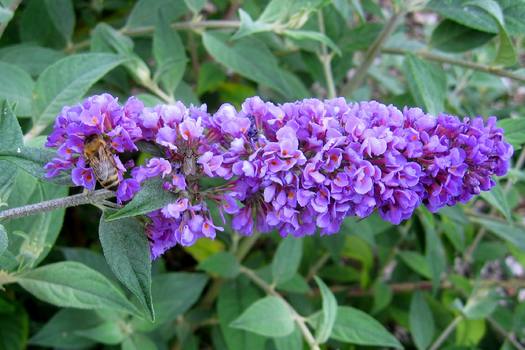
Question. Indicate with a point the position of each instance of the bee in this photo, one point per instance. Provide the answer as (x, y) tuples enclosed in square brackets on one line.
[(100, 159)]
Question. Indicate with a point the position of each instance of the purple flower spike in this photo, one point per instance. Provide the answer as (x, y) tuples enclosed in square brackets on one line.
[(294, 168)]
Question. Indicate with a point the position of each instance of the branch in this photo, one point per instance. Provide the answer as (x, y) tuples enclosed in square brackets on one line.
[(446, 333), (312, 343), (148, 30), (326, 60), (65, 202), (456, 62)]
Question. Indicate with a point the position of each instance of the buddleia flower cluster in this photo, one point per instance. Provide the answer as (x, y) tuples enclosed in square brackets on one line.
[(295, 167)]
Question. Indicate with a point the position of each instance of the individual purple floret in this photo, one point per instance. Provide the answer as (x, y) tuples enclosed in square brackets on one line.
[(96, 115), (294, 168)]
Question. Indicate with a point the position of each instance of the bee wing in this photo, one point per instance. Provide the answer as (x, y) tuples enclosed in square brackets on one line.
[(103, 165)]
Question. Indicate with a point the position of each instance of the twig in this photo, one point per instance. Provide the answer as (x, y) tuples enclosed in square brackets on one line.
[(446, 333), (510, 336), (298, 318), (326, 60), (65, 202), (14, 5), (371, 54), (317, 266), (456, 62)]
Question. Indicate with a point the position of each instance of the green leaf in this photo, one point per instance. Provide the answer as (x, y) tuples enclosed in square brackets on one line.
[(14, 329), (427, 83), (269, 316), (328, 312), (127, 252), (91, 259), (514, 130), (211, 76), (62, 15), (37, 26), (16, 86), (287, 259), (311, 35), (195, 5), (498, 200), (450, 36), (31, 58), (356, 327), (67, 80), (416, 262), (5, 15), (470, 332), (505, 231), (506, 52), (170, 54), (175, 293), (70, 284), (434, 251), (223, 264), (481, 304), (110, 333), (382, 296), (150, 197), (249, 26), (36, 234), (292, 341), (145, 12), (296, 284), (10, 131), (4, 241), (138, 341), (234, 297), (59, 331), (264, 70), (421, 321)]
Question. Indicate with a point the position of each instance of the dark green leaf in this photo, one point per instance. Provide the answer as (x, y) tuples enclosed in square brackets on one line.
[(427, 83), (235, 296), (145, 12), (514, 131), (382, 296), (223, 264), (421, 321), (16, 86), (138, 341), (328, 312), (14, 329), (287, 259), (315, 36), (66, 81), (170, 54), (150, 197), (416, 262), (195, 5), (91, 259), (450, 36), (110, 333), (211, 76), (508, 232), (356, 327), (60, 330), (292, 341), (70, 284), (269, 316), (10, 133), (498, 200), (31, 58), (127, 252), (174, 293), (434, 252), (62, 15), (264, 70)]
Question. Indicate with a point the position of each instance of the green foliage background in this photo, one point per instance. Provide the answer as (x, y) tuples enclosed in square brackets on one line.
[(453, 280)]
